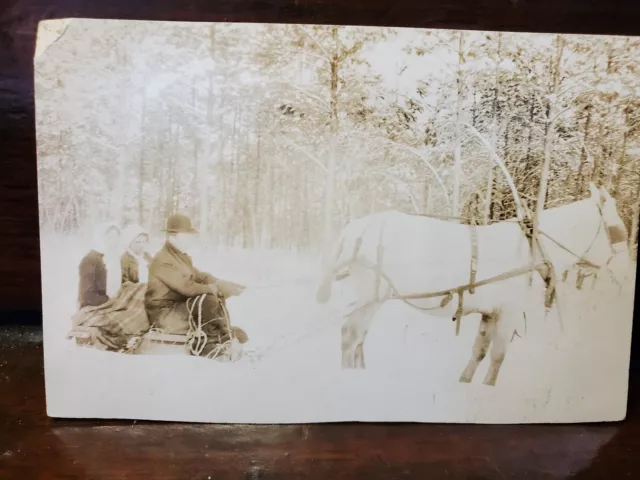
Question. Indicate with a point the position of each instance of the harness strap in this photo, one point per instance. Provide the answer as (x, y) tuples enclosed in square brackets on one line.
[(451, 291), (356, 246), (378, 269), (579, 257), (531, 230), (472, 276), (474, 257), (527, 224), (458, 315)]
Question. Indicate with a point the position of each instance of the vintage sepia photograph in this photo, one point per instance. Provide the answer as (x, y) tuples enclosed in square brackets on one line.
[(270, 223)]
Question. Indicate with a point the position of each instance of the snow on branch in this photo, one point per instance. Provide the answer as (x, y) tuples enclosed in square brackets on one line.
[(498, 161), (303, 150), (316, 41), (404, 186), (422, 155)]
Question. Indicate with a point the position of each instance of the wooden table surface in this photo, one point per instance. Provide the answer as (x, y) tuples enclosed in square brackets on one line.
[(35, 446)]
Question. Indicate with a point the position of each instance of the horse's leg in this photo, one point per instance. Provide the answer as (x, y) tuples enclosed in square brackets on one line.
[(359, 360), (503, 331), (348, 343), (354, 332), (480, 347)]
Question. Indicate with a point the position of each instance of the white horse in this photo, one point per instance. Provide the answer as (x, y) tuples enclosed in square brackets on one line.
[(392, 254)]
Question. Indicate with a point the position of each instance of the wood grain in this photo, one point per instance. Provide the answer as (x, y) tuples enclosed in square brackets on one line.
[(35, 446), (19, 266)]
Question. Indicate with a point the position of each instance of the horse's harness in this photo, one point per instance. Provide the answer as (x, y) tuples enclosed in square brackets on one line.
[(614, 237), (531, 232)]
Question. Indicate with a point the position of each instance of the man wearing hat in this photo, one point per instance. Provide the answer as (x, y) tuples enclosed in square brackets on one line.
[(182, 300)]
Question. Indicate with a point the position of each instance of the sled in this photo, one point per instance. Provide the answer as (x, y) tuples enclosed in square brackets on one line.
[(150, 343)]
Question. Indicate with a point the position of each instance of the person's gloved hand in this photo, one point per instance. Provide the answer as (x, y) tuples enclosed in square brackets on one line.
[(230, 289)]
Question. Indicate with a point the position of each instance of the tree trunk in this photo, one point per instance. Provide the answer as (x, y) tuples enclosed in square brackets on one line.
[(474, 110), (334, 129), (221, 201), (159, 172), (195, 181), (118, 194), (457, 148), (549, 129), (599, 158), (257, 230), (205, 159), (269, 213), (617, 177), (203, 165), (426, 198), (532, 110), (168, 187), (175, 174), (494, 134), (607, 143), (583, 156), (195, 139), (141, 172), (235, 222)]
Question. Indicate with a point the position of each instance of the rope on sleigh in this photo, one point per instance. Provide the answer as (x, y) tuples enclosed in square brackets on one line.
[(197, 338)]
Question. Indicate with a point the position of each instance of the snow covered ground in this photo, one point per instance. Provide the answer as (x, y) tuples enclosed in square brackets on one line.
[(413, 360)]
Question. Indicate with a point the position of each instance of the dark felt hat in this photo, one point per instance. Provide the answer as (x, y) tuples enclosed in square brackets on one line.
[(178, 223)]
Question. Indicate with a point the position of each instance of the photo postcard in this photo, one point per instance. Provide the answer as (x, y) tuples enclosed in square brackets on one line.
[(275, 223)]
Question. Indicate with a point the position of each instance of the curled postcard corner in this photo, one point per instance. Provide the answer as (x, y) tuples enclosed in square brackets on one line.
[(49, 31)]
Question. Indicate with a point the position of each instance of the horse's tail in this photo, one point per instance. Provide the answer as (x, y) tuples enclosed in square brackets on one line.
[(324, 291)]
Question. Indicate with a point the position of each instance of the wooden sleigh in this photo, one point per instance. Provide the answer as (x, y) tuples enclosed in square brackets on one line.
[(122, 325)]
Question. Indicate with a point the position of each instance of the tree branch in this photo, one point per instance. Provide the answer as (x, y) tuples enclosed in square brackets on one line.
[(325, 105), (500, 163), (403, 183), (419, 154), (320, 46), (303, 150), (558, 115)]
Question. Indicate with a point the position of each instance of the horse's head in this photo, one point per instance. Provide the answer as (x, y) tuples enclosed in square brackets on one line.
[(614, 235)]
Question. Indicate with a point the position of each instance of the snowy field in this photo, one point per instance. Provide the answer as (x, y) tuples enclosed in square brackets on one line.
[(548, 374)]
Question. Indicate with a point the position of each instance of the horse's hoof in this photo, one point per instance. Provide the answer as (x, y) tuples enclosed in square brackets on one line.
[(352, 366), (465, 379)]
